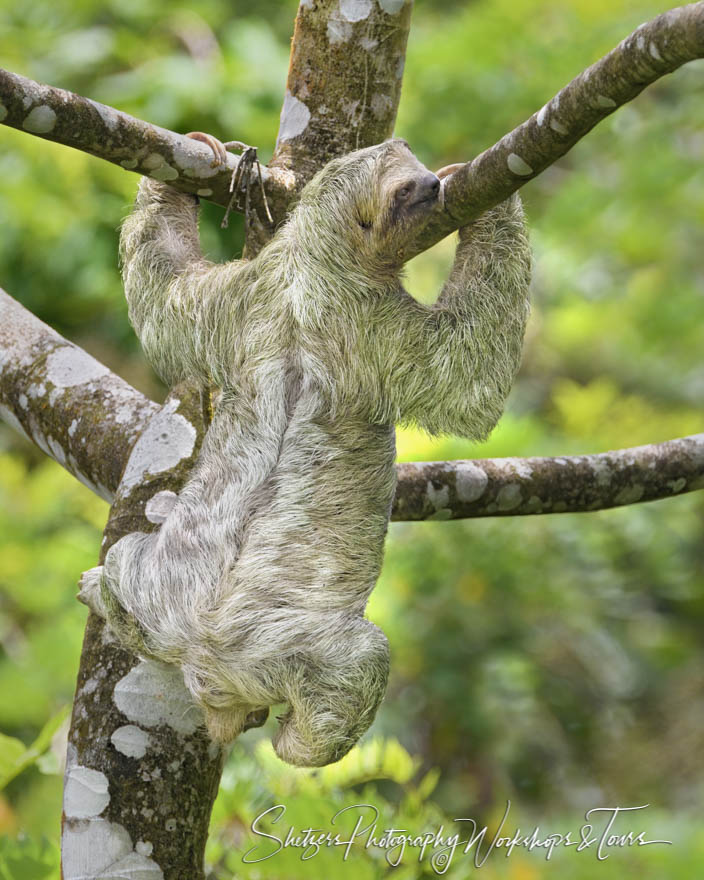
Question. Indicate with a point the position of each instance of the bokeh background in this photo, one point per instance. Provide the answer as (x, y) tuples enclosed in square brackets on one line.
[(553, 660)]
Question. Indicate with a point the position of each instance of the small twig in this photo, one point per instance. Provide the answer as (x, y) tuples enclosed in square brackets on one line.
[(241, 181)]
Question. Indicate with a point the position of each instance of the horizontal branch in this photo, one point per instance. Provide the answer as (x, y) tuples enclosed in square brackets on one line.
[(573, 484), (653, 50), (66, 118), (88, 419)]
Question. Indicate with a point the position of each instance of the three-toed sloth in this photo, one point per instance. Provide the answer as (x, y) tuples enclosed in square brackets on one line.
[(257, 581)]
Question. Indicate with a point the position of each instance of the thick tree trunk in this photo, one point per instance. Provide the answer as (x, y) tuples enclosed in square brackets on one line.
[(141, 775)]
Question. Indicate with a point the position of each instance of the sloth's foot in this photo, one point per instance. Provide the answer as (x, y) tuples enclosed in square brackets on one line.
[(224, 725), (89, 590)]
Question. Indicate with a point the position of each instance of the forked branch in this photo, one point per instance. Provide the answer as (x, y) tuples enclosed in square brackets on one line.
[(653, 50)]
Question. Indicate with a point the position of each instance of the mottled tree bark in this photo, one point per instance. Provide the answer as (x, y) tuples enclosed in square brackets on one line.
[(342, 93), (141, 776)]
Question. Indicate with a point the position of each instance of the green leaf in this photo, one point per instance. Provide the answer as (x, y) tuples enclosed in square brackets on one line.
[(14, 757)]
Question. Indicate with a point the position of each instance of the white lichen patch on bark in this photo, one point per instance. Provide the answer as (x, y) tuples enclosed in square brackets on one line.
[(134, 866), (168, 439), (601, 470), (508, 497), (102, 850), (470, 481), (18, 330), (131, 740), (109, 115), (68, 366), (439, 498), (381, 105), (153, 161), (557, 126), (339, 31), (158, 167), (160, 506), (90, 847), (153, 693), (57, 451), (655, 52), (355, 10), (518, 166), (521, 468), (630, 494), (195, 159), (85, 792), (605, 101), (165, 172), (391, 7), (295, 117), (40, 120)]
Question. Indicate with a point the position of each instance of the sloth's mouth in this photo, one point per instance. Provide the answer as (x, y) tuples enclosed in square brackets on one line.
[(427, 200)]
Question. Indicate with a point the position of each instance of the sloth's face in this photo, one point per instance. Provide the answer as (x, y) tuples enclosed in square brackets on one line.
[(408, 191), (399, 200), (371, 202)]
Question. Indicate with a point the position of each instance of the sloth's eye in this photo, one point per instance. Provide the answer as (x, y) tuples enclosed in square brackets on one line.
[(405, 191), (365, 224)]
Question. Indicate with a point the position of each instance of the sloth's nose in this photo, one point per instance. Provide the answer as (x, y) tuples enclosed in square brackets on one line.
[(429, 186)]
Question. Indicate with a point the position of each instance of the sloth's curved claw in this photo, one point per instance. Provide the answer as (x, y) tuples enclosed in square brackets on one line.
[(448, 170), (219, 149)]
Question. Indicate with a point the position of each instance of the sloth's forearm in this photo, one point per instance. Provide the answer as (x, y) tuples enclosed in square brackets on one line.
[(486, 301), (178, 302), (450, 368)]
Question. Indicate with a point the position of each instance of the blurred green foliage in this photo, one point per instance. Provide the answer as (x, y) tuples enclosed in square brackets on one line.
[(554, 660)]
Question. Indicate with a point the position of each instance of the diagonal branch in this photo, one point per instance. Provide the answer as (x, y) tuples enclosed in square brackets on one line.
[(653, 50), (88, 419), (656, 48), (66, 118)]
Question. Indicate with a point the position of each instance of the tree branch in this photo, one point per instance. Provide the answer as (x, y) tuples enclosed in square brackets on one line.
[(656, 48), (573, 484), (70, 405), (344, 81), (327, 41), (88, 419), (66, 118)]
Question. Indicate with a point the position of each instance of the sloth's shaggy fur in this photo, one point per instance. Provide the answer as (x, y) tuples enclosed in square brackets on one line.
[(257, 582)]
